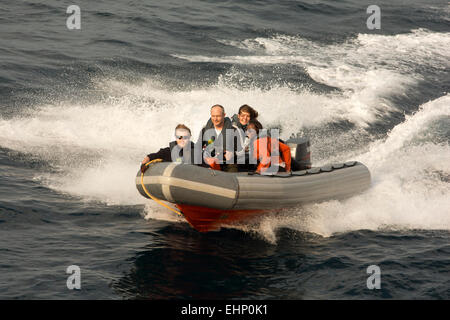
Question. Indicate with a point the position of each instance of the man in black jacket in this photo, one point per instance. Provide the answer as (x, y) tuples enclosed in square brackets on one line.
[(218, 141), (180, 150)]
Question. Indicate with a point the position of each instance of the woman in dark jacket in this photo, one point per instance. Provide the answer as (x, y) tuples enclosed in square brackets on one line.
[(240, 122)]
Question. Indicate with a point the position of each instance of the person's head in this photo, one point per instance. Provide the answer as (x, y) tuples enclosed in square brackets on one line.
[(253, 128), (246, 113), (217, 115), (182, 135)]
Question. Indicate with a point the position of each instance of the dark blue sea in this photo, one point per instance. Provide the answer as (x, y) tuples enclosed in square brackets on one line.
[(80, 109)]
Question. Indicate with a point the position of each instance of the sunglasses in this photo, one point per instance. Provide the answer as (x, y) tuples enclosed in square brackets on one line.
[(182, 137)]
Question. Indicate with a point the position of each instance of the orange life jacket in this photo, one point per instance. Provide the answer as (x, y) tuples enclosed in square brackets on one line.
[(213, 164), (262, 151)]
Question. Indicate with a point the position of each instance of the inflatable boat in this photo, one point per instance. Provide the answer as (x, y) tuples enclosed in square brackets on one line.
[(209, 199)]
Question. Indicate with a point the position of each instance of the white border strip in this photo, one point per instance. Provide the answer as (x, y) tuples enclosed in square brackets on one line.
[(190, 185), (165, 187)]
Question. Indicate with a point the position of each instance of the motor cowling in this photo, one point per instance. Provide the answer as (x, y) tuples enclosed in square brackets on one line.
[(300, 152)]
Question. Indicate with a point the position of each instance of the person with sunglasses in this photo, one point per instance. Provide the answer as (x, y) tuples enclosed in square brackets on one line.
[(180, 150)]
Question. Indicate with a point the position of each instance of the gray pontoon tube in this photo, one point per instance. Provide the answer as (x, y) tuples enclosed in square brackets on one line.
[(199, 186)]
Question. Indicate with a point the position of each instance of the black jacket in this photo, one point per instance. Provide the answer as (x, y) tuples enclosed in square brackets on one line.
[(221, 142), (173, 153), (241, 139)]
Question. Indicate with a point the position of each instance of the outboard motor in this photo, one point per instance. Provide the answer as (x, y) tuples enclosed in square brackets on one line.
[(300, 152)]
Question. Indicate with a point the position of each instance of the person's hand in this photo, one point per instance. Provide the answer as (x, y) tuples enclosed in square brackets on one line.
[(228, 155), (210, 161), (143, 168), (146, 159)]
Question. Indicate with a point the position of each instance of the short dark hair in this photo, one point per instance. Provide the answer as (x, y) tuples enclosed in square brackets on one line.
[(246, 108), (255, 123)]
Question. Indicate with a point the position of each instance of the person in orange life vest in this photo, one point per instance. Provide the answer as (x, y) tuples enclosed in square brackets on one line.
[(263, 150), (180, 150)]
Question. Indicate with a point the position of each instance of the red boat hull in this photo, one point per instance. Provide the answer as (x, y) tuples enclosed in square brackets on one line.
[(208, 219)]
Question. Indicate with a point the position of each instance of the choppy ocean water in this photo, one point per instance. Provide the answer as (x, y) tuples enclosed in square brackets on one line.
[(79, 109)]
